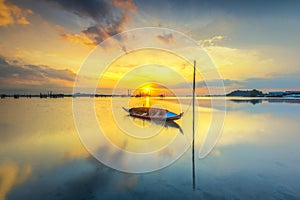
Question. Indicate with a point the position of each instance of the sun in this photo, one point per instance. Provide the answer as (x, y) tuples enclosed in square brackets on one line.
[(147, 90)]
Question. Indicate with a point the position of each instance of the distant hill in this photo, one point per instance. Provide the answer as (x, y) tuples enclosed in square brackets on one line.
[(246, 93)]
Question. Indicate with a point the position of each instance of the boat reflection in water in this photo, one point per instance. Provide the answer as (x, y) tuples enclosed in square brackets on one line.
[(165, 123)]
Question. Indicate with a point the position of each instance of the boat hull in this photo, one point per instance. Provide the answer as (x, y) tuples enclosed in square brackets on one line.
[(153, 113)]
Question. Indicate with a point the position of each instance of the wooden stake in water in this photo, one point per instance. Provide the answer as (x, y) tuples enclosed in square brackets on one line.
[(193, 142)]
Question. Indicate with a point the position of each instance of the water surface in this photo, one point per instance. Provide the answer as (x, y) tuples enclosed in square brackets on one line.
[(256, 157)]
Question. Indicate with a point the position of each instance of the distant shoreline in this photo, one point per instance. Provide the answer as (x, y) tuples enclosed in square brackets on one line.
[(237, 93), (17, 96)]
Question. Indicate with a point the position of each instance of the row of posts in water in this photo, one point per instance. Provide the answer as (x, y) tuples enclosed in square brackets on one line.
[(41, 95), (60, 95)]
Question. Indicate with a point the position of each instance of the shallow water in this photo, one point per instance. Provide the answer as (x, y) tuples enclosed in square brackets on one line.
[(43, 157)]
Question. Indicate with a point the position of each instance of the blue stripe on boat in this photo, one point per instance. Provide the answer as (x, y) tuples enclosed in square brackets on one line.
[(170, 114)]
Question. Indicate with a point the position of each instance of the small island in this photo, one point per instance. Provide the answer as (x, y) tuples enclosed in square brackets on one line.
[(246, 93), (258, 93)]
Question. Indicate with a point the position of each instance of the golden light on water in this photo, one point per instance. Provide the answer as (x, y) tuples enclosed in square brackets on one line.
[(116, 124), (147, 102), (147, 95)]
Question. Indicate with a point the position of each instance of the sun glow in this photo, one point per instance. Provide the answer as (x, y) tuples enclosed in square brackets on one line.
[(147, 91)]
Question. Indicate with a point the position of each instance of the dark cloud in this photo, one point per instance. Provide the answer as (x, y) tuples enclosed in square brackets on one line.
[(166, 38), (109, 17), (48, 72), (98, 10), (3, 61), (21, 76), (100, 32)]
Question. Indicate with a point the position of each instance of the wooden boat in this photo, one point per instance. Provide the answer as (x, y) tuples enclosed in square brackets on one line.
[(152, 113)]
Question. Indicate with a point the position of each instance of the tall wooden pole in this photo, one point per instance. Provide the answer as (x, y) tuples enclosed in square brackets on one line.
[(193, 142)]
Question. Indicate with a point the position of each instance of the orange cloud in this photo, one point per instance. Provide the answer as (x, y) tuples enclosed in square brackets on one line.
[(81, 39), (125, 4), (12, 14)]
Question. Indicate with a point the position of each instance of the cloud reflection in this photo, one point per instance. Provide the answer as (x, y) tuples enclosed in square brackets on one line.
[(11, 175)]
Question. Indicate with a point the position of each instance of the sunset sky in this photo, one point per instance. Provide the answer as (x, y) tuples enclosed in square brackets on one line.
[(254, 44)]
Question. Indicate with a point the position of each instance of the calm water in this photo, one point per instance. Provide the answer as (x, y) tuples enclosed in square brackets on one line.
[(42, 156)]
